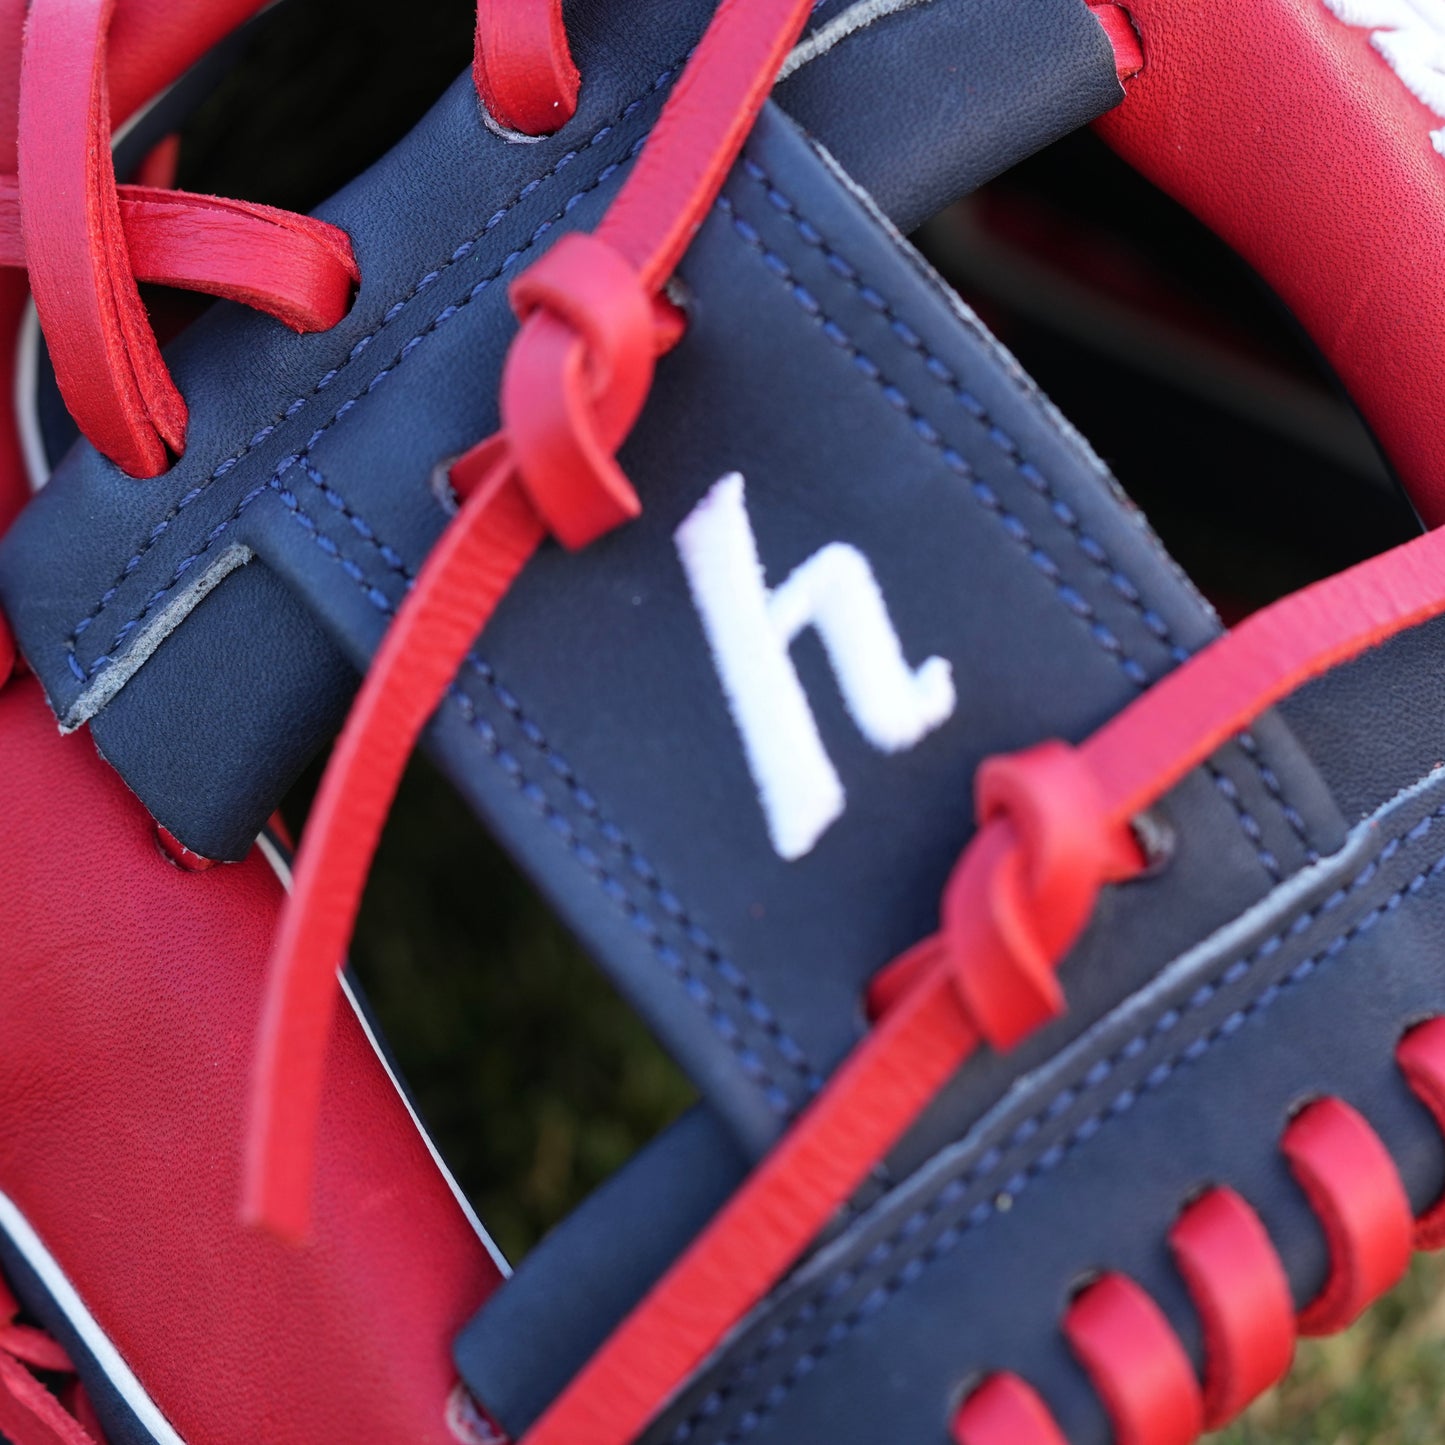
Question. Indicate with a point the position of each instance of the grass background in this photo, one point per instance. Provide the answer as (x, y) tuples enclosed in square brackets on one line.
[(536, 1080)]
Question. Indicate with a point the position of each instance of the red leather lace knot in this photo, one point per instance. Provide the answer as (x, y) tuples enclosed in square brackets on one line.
[(1023, 892), (575, 382)]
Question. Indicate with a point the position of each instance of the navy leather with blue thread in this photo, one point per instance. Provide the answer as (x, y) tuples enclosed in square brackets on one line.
[(861, 405)]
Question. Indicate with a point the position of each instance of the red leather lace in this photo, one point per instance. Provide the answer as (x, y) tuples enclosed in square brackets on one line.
[(1238, 1286), (29, 1413), (85, 242)]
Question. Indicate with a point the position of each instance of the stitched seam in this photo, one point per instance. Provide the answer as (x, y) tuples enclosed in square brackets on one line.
[(1064, 514), (460, 253), (728, 972), (1092, 1081), (286, 463)]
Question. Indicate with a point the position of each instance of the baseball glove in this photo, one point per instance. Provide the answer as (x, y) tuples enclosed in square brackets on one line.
[(1057, 970)]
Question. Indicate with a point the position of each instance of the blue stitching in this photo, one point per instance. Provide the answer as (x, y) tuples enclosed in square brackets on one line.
[(956, 1189), (1005, 443), (459, 253), (953, 459), (637, 863), (83, 674)]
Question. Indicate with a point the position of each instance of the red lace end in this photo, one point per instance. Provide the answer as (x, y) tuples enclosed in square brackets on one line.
[(86, 242), (575, 381)]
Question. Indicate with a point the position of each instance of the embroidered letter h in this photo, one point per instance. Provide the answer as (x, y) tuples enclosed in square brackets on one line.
[(751, 630)]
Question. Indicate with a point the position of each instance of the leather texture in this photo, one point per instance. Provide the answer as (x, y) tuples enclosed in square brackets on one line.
[(1326, 180), (124, 1058), (862, 406)]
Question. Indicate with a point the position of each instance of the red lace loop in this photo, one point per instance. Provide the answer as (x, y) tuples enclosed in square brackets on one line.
[(1421, 1058), (1015, 906), (523, 67), (1005, 1410), (299, 270), (575, 381), (84, 290), (1241, 1292), (85, 242), (1022, 892), (1131, 1353), (1355, 1191)]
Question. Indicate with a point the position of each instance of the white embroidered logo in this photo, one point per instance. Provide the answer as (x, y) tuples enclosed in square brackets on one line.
[(750, 630), (1410, 34)]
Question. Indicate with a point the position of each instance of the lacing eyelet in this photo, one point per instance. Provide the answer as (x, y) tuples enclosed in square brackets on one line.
[(1158, 842)]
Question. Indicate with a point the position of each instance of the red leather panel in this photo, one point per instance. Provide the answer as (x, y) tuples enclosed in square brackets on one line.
[(1290, 135), (128, 1008)]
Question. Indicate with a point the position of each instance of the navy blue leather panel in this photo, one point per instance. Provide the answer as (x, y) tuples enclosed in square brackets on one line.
[(1401, 686), (1087, 1163), (1062, 566), (1016, 76), (233, 730), (572, 1289)]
